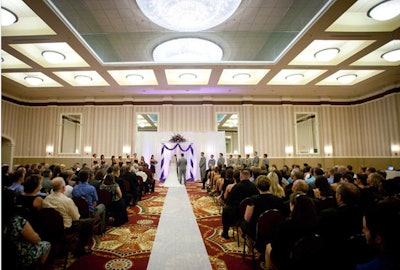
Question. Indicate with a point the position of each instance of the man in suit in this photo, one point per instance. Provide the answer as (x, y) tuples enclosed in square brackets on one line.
[(211, 162), (256, 159), (202, 165), (182, 162), (221, 161)]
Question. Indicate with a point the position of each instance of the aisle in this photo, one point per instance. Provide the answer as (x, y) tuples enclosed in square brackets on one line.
[(178, 243)]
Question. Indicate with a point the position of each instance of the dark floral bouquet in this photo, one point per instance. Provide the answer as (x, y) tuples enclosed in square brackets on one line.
[(177, 138)]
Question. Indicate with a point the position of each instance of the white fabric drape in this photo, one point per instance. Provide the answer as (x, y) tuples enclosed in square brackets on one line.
[(150, 143)]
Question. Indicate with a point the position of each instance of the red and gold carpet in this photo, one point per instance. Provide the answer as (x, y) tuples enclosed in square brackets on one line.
[(129, 246)]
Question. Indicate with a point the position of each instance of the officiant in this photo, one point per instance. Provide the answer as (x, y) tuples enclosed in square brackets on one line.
[(182, 162)]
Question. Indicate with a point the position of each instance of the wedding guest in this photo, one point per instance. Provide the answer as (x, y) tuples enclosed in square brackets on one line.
[(6, 179), (18, 179), (47, 175), (241, 190), (22, 245), (117, 208)]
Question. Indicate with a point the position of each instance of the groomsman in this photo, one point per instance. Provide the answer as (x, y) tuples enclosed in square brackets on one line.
[(247, 161), (256, 159), (182, 162), (229, 161), (239, 161), (202, 165), (221, 161), (265, 162)]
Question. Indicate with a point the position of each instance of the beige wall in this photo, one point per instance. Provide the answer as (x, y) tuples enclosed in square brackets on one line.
[(361, 134)]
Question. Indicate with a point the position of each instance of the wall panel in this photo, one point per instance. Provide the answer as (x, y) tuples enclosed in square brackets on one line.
[(365, 130)]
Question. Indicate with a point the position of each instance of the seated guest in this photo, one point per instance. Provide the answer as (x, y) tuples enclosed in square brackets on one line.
[(98, 178), (128, 174), (47, 175), (87, 191), (337, 225), (241, 190), (323, 194), (29, 202), (22, 246), (70, 213), (302, 221), (144, 176), (117, 208), (68, 188), (259, 204), (381, 229), (18, 180), (150, 180), (236, 179)]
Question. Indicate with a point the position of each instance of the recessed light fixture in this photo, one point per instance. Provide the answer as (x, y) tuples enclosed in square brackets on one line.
[(326, 55), (8, 17), (53, 56), (348, 78), (187, 76), (187, 50), (385, 10), (83, 79), (392, 56), (241, 77), (134, 77), (188, 15), (32, 80), (294, 78)]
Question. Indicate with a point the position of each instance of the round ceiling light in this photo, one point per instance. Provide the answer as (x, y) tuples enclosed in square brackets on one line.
[(8, 17), (134, 77), (83, 79), (294, 78), (32, 80), (346, 78), (385, 10), (241, 77), (392, 56), (326, 55), (53, 57), (188, 15), (187, 50), (188, 77)]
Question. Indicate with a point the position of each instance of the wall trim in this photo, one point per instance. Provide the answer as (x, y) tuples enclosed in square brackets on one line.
[(203, 102)]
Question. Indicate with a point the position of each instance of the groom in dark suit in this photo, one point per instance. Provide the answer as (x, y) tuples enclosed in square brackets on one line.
[(182, 162)]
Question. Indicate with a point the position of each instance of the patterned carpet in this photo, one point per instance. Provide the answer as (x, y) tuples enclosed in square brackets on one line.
[(129, 246)]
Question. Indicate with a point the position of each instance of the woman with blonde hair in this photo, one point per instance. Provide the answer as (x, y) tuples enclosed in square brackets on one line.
[(275, 188)]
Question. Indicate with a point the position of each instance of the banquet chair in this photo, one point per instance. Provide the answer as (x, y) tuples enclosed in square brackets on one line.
[(52, 229), (266, 227), (140, 187), (83, 208), (242, 209), (308, 253)]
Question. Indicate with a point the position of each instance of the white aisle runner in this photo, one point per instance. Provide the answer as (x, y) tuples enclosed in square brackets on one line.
[(178, 243)]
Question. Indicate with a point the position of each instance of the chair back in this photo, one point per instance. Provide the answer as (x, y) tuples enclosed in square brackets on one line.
[(127, 185), (268, 223), (242, 207), (308, 253), (83, 206), (51, 225), (140, 180), (105, 197)]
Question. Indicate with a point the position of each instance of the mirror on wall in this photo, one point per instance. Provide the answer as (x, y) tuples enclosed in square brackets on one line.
[(70, 134), (306, 133), (147, 122), (228, 122)]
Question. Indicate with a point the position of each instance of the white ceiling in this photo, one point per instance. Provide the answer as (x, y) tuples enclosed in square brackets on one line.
[(111, 41)]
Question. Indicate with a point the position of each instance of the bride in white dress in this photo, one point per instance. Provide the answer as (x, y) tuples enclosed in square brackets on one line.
[(172, 178)]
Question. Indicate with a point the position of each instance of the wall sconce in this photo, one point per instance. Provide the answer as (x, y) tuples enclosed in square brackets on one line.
[(289, 150), (328, 150), (50, 149), (88, 150), (126, 150), (395, 149)]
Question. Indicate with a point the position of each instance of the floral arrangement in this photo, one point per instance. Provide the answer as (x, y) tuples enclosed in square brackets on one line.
[(177, 138)]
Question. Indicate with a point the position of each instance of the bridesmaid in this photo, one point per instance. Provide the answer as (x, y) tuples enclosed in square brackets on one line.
[(153, 163)]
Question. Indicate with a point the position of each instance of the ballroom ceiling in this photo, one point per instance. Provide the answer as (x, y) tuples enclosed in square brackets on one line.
[(268, 52)]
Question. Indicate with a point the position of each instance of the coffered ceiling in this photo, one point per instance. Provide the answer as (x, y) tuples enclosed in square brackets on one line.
[(268, 48)]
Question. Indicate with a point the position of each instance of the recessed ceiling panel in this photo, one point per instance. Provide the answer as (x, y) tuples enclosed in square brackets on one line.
[(188, 76), (346, 48), (242, 76), (375, 58), (9, 61), (23, 78), (356, 19), (35, 52), (28, 24), (134, 77), (295, 76), (82, 78), (360, 75)]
